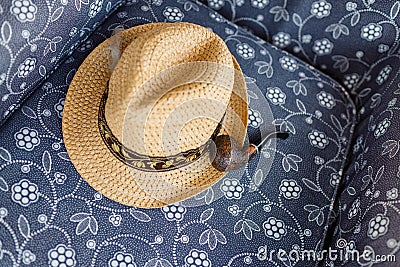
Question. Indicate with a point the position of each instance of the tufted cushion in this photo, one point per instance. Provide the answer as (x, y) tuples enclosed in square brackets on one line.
[(367, 215), (356, 43), (346, 40), (282, 200), (36, 36)]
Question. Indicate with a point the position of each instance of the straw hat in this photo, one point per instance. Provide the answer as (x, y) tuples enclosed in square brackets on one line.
[(143, 109)]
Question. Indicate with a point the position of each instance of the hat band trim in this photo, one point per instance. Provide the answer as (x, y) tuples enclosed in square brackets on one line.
[(144, 162)]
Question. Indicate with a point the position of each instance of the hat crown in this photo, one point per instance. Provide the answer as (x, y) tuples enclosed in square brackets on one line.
[(167, 95)]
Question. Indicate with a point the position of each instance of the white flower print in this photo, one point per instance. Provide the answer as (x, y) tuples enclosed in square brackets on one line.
[(321, 9), (383, 75), (27, 138), (350, 80), (259, 3), (371, 32), (28, 257), (276, 96), (318, 160), (382, 48), (234, 210), (245, 51), (335, 179), (173, 14), (288, 63), (174, 212), (25, 193), (115, 219), (197, 258), (392, 194), (255, 119), (216, 16), (232, 188), (122, 259), (26, 67), (322, 47), (157, 2), (274, 228), (95, 8), (382, 127), (239, 2), (350, 246), (62, 256), (88, 44), (326, 100), (216, 4), (47, 86), (378, 226), (73, 31), (306, 38), (281, 39), (23, 10), (59, 107), (318, 139), (351, 6), (290, 189), (60, 177)]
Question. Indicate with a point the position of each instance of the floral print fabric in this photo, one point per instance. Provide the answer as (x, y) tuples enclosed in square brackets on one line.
[(35, 39), (50, 216), (356, 42), (351, 39), (366, 215)]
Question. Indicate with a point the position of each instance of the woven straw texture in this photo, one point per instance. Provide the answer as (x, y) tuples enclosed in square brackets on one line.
[(147, 51)]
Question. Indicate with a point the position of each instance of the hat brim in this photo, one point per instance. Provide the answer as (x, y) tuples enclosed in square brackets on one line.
[(96, 163)]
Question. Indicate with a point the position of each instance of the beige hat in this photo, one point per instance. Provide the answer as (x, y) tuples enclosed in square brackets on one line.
[(144, 107)]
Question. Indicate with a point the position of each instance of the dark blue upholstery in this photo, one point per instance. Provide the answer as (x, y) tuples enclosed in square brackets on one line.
[(36, 36), (360, 41), (367, 214), (325, 186), (347, 40)]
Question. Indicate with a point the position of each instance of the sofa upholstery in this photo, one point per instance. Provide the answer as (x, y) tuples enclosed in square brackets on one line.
[(348, 40), (356, 43), (334, 179), (36, 36)]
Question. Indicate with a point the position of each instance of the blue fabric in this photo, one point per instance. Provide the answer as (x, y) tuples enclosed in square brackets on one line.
[(50, 215), (35, 36), (356, 43), (367, 215), (347, 40)]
